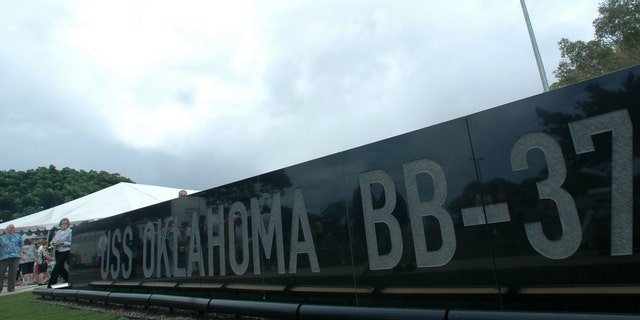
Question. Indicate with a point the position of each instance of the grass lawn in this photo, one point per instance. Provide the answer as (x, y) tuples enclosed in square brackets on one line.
[(25, 305)]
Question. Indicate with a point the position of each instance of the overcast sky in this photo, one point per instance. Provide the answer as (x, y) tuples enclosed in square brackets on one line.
[(195, 94)]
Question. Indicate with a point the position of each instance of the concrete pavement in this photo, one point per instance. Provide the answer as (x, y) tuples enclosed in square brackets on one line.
[(19, 289)]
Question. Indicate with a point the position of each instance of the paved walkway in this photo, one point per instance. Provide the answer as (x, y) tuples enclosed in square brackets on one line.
[(19, 289)]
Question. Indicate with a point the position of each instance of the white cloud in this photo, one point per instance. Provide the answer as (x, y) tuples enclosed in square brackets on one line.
[(187, 90)]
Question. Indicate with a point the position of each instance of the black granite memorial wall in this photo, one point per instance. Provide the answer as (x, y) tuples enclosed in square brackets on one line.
[(531, 203)]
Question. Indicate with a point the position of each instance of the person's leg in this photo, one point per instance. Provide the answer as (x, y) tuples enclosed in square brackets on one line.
[(13, 269), (4, 264), (22, 270), (44, 274), (36, 273), (59, 269), (30, 276), (18, 272), (64, 273), (56, 270)]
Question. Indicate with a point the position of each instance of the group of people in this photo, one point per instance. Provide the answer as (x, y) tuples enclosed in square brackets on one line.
[(42, 263), (29, 264), (36, 262)]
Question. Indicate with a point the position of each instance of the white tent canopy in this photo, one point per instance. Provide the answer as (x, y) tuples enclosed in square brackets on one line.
[(120, 198)]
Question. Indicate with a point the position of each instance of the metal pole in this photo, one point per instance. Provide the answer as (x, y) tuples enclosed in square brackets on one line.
[(534, 44)]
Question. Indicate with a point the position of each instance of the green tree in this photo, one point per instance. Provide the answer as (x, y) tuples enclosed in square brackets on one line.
[(26, 192), (616, 44)]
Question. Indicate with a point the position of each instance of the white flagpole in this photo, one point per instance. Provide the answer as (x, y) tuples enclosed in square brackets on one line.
[(534, 44)]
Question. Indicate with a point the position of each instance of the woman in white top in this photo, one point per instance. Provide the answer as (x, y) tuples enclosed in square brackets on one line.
[(62, 242)]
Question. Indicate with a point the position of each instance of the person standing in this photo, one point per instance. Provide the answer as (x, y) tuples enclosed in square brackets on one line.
[(43, 259), (62, 242), (26, 262), (10, 254)]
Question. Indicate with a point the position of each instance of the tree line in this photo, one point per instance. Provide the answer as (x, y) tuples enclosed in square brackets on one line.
[(34, 190), (616, 44)]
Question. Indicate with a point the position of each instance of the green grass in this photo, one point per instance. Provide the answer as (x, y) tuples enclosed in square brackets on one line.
[(26, 305)]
